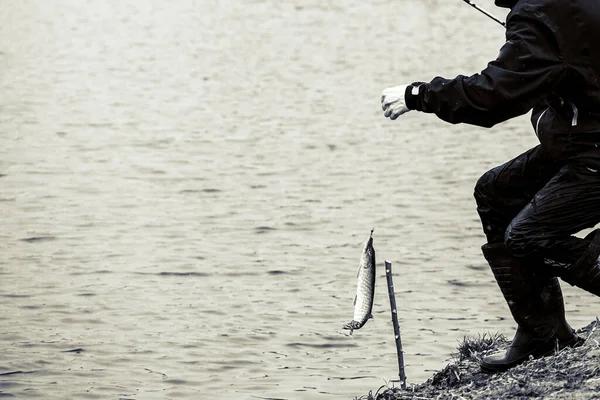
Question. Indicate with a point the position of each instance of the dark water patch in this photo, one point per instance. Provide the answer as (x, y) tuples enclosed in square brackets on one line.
[(258, 338), (234, 362), (3, 175), (350, 378), (177, 381), (216, 312), (331, 338), (16, 296), (186, 274), (81, 321), (7, 395), (224, 368), (11, 373), (155, 372), (32, 307), (185, 191), (59, 307), (35, 239), (87, 294), (312, 201), (39, 172), (341, 246), (321, 345), (198, 362), (8, 199), (99, 124), (12, 337), (77, 350), (277, 272), (478, 267), (102, 272), (175, 274), (258, 186), (114, 255), (264, 229), (239, 274), (456, 282), (211, 190), (153, 171), (276, 353)]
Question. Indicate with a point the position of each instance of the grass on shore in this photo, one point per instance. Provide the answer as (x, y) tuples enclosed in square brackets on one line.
[(571, 373)]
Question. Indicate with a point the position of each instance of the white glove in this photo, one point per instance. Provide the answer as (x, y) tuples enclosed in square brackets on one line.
[(393, 102)]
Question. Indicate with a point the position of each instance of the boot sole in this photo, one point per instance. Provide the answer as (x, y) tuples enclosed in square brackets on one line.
[(575, 341)]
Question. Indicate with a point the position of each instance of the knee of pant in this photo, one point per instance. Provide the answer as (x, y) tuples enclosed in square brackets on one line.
[(518, 242), (484, 188)]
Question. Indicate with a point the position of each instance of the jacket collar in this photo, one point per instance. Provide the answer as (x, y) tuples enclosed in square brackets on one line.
[(506, 3)]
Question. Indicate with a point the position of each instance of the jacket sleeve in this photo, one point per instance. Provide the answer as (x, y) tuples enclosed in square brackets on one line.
[(529, 67)]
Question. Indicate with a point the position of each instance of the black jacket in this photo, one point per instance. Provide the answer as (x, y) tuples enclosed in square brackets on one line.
[(506, 3), (551, 60)]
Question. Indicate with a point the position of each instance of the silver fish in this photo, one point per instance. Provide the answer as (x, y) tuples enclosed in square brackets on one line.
[(365, 287)]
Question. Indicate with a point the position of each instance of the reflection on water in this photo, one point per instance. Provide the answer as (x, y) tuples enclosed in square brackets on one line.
[(186, 187)]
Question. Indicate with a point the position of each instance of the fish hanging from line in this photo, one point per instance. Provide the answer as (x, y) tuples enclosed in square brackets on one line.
[(365, 287)]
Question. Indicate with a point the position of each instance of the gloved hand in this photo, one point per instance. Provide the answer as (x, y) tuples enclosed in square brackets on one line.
[(393, 102)]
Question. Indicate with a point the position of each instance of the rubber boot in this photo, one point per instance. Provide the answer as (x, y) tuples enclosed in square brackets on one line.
[(552, 296), (536, 304)]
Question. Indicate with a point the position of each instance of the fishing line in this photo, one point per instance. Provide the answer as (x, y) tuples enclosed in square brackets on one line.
[(347, 335), (481, 10)]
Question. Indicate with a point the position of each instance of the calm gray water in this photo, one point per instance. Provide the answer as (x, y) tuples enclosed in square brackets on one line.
[(185, 188)]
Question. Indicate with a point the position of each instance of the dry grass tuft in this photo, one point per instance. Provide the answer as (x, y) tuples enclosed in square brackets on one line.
[(572, 373)]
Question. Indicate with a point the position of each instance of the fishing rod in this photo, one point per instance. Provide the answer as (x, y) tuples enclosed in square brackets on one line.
[(481, 10)]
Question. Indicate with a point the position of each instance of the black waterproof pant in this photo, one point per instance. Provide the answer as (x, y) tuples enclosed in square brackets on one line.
[(536, 204)]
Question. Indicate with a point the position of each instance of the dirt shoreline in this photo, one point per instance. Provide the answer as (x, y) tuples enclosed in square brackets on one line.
[(572, 373)]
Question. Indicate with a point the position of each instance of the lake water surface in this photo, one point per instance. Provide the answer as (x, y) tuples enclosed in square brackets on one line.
[(186, 186)]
